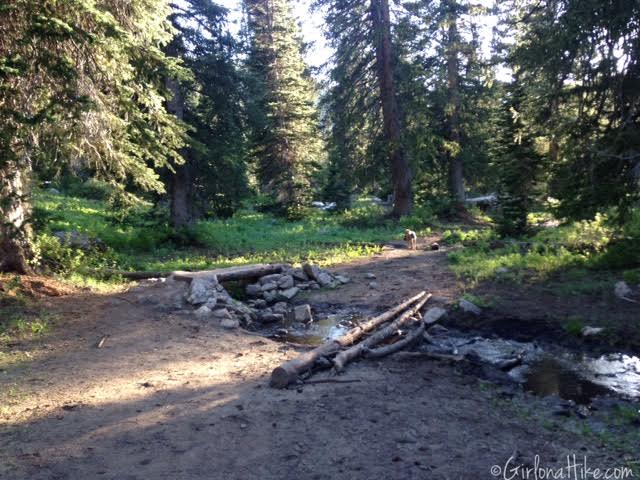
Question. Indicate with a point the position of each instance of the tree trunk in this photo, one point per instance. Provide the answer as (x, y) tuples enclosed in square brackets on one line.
[(180, 183), (456, 167), (400, 169), (15, 208)]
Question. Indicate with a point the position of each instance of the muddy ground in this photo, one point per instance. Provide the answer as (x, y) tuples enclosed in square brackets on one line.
[(172, 397)]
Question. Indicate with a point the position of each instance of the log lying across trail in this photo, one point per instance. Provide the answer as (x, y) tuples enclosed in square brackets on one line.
[(245, 272), (290, 371)]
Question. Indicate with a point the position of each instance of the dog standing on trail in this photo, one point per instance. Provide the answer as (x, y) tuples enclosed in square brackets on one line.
[(411, 238)]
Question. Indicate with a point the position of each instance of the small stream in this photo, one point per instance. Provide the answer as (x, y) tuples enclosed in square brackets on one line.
[(543, 371)]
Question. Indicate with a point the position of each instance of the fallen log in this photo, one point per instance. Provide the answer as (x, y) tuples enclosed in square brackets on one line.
[(346, 356), (396, 346), (229, 274), (289, 372)]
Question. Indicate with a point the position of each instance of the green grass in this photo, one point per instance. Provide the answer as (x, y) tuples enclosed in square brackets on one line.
[(142, 239), (576, 250)]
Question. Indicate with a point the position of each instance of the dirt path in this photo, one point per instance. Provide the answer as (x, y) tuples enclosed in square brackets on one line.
[(171, 397)]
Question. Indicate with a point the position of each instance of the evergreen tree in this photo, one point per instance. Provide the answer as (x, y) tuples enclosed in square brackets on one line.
[(365, 93), (80, 83), (213, 179), (517, 162), (582, 60), (283, 116)]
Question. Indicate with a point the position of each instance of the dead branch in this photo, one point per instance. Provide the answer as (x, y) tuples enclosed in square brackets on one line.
[(289, 372), (346, 356), (397, 346)]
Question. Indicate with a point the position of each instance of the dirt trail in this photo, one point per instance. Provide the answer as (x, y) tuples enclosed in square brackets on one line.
[(172, 397)]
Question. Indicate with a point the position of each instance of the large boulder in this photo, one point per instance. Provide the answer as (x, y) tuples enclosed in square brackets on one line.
[(469, 307), (269, 286)]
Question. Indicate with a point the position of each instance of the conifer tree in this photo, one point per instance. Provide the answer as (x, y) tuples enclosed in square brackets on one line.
[(80, 83), (285, 138)]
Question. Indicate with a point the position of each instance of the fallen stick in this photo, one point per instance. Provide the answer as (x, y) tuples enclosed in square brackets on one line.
[(397, 346), (346, 356), (101, 342), (289, 372)]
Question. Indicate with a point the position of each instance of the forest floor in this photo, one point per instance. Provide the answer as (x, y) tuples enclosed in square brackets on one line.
[(172, 397)]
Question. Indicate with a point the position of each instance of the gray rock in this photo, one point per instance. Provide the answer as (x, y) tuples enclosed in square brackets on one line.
[(269, 286), (299, 275), (374, 285), (324, 279), (314, 286), (622, 290), (221, 313), (203, 312), (253, 290), (468, 307), (288, 294), (343, 279), (369, 276), (285, 282), (211, 302), (270, 296), (229, 323), (280, 307), (268, 317), (303, 286), (259, 303), (434, 314), (302, 313), (311, 271), (502, 270), (273, 278), (202, 289), (53, 191)]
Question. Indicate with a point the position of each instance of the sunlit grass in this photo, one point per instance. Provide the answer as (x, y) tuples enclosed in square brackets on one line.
[(141, 242)]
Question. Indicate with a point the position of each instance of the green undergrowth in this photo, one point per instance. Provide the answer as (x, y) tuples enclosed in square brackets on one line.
[(137, 236), (585, 254)]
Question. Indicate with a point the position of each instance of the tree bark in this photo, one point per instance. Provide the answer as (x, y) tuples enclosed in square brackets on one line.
[(346, 356), (289, 372), (400, 169), (15, 209), (456, 167)]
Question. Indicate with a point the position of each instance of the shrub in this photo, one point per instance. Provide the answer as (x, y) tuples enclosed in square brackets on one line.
[(50, 254)]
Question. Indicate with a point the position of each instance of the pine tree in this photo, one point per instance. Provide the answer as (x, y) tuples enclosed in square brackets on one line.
[(212, 180), (517, 162), (366, 92), (80, 83), (582, 61), (283, 116)]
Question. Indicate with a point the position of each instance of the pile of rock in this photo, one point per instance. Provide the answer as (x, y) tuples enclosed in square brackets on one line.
[(269, 299), (282, 287)]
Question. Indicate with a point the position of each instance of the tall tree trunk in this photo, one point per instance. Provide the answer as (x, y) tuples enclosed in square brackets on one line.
[(456, 167), (400, 169), (15, 208), (180, 183)]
